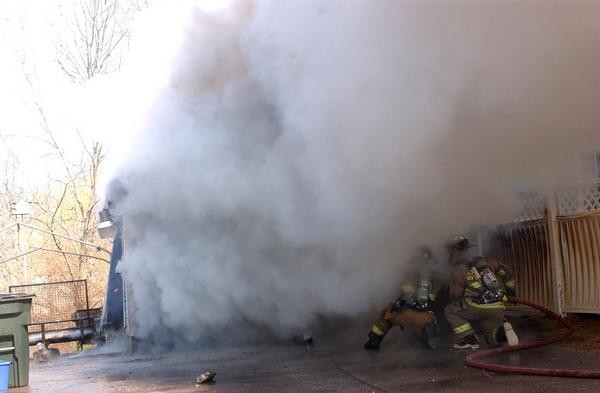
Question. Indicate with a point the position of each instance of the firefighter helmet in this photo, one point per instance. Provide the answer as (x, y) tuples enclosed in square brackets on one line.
[(458, 243), (424, 253)]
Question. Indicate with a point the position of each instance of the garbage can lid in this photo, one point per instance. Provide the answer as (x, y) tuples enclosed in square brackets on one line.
[(4, 363), (13, 296)]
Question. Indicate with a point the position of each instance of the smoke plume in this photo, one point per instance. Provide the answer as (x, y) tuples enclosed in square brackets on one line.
[(298, 151)]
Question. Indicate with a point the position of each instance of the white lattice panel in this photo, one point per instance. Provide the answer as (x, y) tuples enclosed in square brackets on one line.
[(578, 200), (533, 207)]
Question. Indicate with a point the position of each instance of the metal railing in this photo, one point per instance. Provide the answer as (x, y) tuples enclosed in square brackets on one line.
[(60, 312)]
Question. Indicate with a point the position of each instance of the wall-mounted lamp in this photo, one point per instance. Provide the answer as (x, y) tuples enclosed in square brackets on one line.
[(106, 226)]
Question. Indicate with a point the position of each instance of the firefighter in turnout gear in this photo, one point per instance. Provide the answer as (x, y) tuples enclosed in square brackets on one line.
[(477, 293), (414, 306)]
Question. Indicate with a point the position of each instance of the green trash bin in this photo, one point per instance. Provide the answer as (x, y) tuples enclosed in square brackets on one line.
[(15, 315)]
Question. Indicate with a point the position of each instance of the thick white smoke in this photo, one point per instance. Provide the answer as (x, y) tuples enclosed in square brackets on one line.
[(301, 149)]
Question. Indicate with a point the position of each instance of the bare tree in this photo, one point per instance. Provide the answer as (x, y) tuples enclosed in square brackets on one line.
[(141, 5), (92, 42), (96, 31), (95, 37), (7, 198)]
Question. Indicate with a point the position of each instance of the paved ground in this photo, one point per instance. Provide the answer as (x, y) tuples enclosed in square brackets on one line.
[(332, 365)]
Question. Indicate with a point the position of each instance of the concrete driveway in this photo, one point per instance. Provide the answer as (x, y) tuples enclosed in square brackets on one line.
[(338, 364)]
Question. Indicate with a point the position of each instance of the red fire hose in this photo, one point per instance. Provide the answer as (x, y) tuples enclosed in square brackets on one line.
[(473, 360)]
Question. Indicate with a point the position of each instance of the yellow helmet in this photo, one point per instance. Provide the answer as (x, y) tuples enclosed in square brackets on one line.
[(458, 243), (424, 253)]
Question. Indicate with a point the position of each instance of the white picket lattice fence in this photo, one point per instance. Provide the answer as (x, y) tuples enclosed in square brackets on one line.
[(584, 199), (533, 207)]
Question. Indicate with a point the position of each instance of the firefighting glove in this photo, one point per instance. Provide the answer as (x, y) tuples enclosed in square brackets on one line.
[(502, 296)]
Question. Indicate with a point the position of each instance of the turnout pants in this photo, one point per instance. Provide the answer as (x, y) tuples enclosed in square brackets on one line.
[(407, 317), (461, 314)]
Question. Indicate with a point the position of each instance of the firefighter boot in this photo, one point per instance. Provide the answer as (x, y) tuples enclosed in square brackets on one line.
[(469, 342), (505, 334), (431, 336), (510, 334), (374, 340)]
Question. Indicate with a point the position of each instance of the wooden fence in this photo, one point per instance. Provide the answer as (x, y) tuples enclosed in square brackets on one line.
[(554, 249), (526, 250), (580, 262)]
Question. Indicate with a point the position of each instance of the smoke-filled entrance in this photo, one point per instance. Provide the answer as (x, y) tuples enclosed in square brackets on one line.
[(297, 152)]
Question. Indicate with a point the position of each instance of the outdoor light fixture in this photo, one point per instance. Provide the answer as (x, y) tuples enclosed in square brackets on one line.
[(106, 226)]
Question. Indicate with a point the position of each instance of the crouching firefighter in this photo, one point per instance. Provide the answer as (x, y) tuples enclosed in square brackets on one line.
[(477, 293), (414, 306)]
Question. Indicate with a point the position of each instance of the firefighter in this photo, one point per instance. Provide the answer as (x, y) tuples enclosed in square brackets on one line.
[(414, 306), (477, 293)]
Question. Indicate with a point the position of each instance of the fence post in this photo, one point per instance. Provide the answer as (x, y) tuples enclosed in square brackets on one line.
[(555, 252)]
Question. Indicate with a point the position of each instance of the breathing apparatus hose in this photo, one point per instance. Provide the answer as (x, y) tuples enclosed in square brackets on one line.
[(473, 360)]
